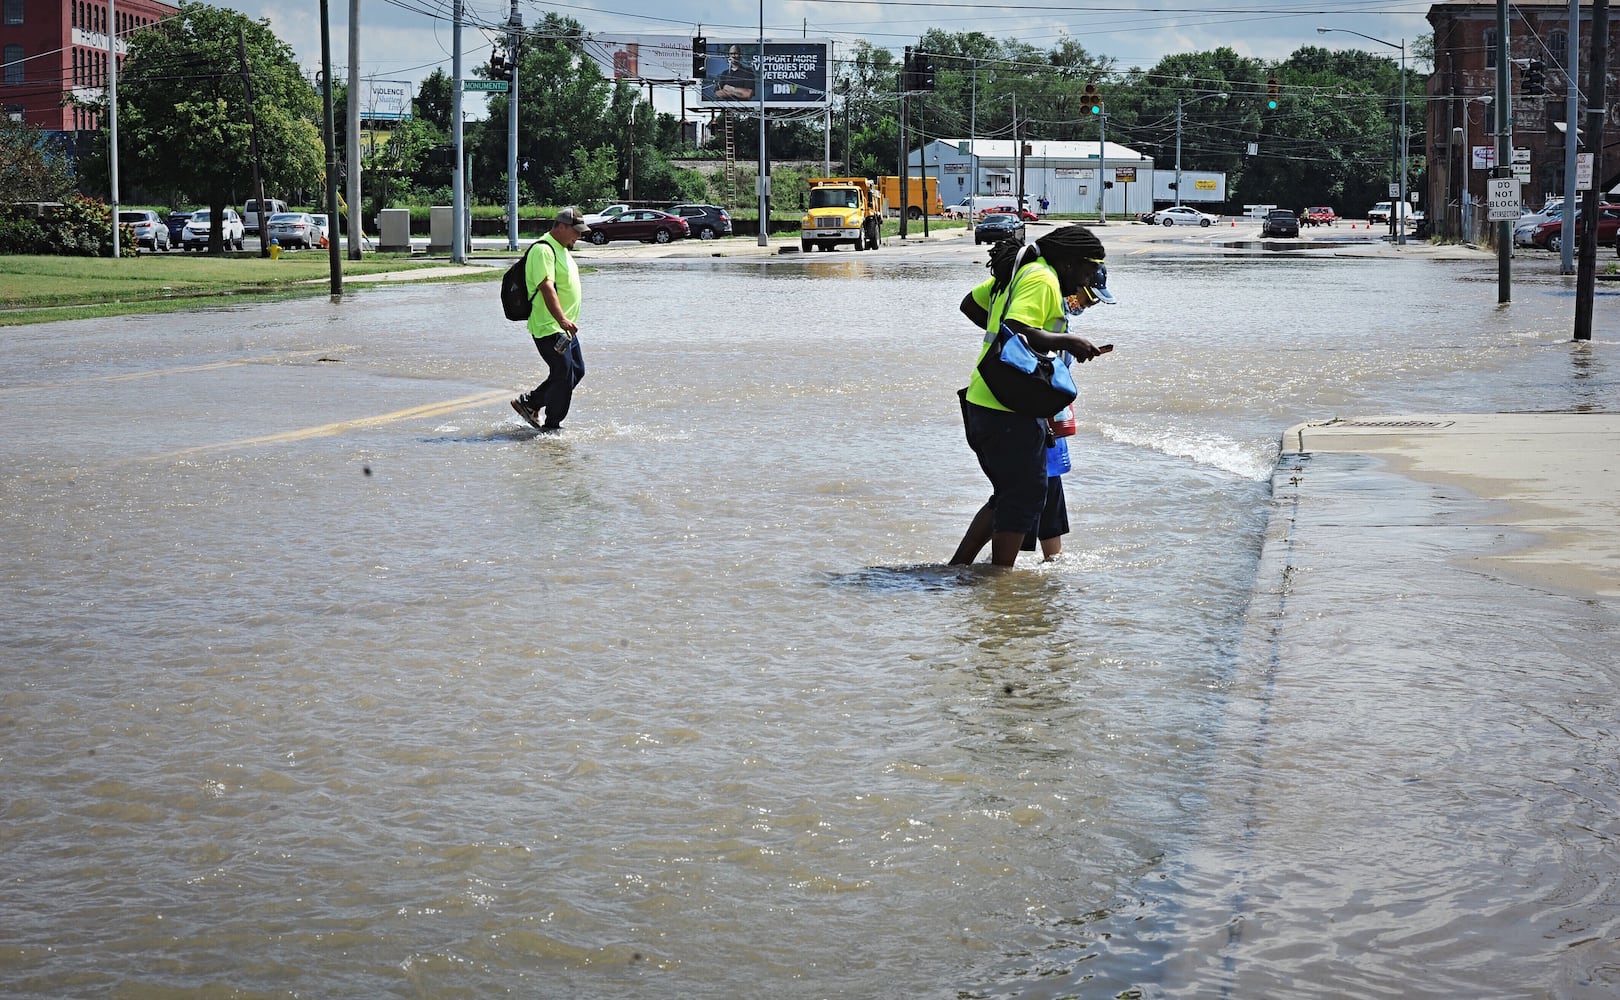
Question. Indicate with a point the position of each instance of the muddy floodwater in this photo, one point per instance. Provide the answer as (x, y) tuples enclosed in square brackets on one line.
[(326, 677)]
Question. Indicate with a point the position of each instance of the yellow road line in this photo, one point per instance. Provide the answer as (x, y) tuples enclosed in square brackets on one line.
[(327, 430)]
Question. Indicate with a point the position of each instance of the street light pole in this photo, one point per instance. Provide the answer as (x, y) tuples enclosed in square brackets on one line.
[(1401, 212), (1178, 153), (1223, 95), (764, 168)]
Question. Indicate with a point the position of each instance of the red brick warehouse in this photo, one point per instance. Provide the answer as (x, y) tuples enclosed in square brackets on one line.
[(54, 51)]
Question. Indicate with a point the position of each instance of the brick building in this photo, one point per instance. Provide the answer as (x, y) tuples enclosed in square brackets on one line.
[(1461, 95), (54, 50)]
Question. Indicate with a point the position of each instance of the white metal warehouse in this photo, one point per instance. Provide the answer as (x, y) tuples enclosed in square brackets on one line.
[(1065, 173)]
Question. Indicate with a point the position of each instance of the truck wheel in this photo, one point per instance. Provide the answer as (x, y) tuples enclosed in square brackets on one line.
[(804, 246), (913, 213)]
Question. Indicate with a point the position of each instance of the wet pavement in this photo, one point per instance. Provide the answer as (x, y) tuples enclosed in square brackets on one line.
[(330, 677)]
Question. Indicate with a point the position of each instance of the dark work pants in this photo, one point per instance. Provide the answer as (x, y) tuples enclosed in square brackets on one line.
[(556, 393)]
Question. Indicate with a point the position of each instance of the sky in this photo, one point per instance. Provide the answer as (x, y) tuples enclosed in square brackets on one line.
[(408, 39)]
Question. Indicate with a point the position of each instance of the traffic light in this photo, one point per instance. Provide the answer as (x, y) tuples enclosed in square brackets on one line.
[(1273, 88), (924, 65), (700, 56), (1535, 78), (1092, 100), (499, 68), (908, 73)]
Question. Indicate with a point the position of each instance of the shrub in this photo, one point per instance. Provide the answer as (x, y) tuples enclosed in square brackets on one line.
[(20, 235), (82, 227)]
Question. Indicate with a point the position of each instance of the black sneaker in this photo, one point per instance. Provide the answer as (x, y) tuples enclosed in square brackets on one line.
[(529, 415)]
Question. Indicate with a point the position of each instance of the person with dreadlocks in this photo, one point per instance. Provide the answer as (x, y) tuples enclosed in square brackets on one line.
[(1034, 289)]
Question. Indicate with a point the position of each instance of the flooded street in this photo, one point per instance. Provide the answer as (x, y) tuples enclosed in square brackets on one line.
[(327, 677)]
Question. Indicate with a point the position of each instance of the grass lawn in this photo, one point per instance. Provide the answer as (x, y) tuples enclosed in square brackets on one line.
[(44, 289)]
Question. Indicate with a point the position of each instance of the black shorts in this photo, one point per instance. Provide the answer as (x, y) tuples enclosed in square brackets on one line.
[(1011, 449)]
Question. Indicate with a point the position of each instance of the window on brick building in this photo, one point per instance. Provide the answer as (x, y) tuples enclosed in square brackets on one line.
[(14, 11), (14, 64), (1490, 48), (1558, 48)]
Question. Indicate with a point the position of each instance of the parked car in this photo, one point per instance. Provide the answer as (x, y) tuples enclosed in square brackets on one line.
[(150, 231), (997, 227), (294, 229), (196, 232), (1279, 222), (1550, 234), (325, 227), (605, 213), (1318, 215), (645, 224), (177, 227), (1181, 215), (250, 213), (961, 211), (1525, 228), (705, 221)]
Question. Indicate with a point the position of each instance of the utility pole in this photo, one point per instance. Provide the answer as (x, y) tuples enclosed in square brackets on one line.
[(905, 144), (112, 121), (458, 194), (253, 143), (973, 142), (514, 28), (352, 147), (764, 179), (1102, 157), (1597, 104), (1572, 122), (1504, 152), (331, 154), (922, 161)]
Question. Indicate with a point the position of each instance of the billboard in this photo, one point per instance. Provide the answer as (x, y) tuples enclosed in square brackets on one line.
[(796, 73), (385, 100), (653, 58)]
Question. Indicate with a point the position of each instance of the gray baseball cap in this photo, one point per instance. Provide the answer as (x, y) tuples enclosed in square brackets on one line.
[(570, 217)]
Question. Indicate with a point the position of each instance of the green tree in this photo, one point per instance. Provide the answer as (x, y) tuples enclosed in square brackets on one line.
[(435, 100), (32, 168), (563, 107), (184, 118)]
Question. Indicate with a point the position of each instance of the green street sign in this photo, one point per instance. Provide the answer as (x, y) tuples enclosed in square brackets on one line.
[(497, 86)]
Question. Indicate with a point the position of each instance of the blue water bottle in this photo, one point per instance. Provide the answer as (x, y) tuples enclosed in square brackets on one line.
[(1057, 457)]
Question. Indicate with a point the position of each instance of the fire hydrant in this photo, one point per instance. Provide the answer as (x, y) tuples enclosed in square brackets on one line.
[(275, 249)]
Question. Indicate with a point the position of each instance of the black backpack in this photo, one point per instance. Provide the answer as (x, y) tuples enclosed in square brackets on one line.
[(516, 299)]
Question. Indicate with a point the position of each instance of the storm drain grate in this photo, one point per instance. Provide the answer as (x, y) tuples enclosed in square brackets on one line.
[(1390, 423)]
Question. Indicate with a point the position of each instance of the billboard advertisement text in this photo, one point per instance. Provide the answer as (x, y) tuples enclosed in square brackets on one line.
[(796, 74)]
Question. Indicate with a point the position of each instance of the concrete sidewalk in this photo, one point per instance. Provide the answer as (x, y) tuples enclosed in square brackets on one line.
[(1417, 778), (1551, 480)]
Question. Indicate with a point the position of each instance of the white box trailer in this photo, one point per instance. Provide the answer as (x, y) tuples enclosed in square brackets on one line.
[(1196, 186)]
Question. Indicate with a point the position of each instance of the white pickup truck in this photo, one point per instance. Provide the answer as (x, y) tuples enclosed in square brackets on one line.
[(1378, 215)]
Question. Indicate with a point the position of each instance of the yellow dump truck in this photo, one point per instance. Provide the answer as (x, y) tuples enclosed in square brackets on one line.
[(842, 210), (915, 197)]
